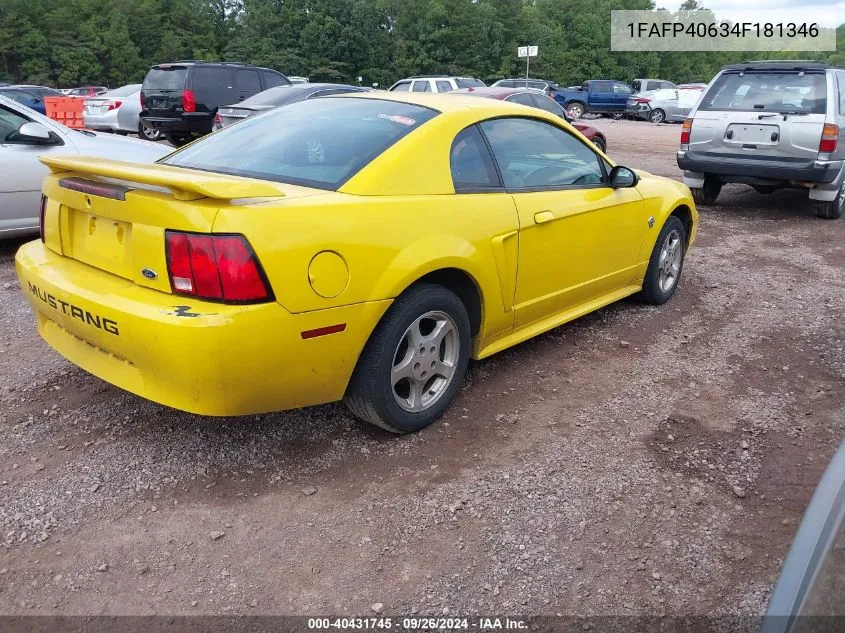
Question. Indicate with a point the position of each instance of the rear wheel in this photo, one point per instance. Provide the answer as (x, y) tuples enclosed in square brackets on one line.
[(576, 110), (414, 362), (177, 140), (657, 116), (707, 194), (666, 263), (146, 133), (830, 210)]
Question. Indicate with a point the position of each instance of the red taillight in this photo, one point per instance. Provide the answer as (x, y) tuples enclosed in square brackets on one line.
[(830, 138), (189, 104), (41, 215), (642, 100), (686, 132), (114, 105), (215, 267), (143, 101)]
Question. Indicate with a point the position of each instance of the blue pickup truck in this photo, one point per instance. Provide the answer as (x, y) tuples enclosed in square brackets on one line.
[(603, 96)]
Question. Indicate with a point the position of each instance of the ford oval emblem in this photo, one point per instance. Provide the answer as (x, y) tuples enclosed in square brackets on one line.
[(149, 273)]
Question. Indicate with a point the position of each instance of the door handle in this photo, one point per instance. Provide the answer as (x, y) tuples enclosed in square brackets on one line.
[(543, 216)]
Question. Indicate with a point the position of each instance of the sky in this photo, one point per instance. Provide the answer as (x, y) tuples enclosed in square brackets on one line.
[(807, 7)]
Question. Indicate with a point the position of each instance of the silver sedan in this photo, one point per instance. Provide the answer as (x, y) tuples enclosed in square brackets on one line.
[(666, 104), (24, 136), (117, 111)]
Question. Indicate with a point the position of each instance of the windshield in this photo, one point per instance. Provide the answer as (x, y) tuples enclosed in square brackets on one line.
[(125, 91), (463, 82), (768, 92), (172, 78), (318, 143)]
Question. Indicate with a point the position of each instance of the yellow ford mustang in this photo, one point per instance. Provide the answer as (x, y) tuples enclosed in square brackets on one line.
[(358, 247)]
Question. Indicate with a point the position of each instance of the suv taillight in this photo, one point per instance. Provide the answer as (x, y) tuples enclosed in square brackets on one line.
[(830, 138), (41, 215), (686, 132), (215, 267), (189, 104), (143, 101)]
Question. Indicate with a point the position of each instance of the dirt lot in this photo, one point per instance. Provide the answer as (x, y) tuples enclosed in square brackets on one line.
[(638, 461)]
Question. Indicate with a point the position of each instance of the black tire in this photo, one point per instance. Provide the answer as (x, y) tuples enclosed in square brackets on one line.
[(147, 134), (657, 116), (576, 110), (652, 292), (765, 189), (178, 140), (833, 209), (370, 394), (599, 142), (707, 194)]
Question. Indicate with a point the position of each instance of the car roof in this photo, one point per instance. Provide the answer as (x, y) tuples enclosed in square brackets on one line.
[(780, 64), (497, 92), (446, 102)]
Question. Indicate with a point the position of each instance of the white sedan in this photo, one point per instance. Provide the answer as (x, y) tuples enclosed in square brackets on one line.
[(24, 136)]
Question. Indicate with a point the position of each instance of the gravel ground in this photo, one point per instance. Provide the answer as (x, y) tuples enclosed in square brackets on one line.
[(641, 460)]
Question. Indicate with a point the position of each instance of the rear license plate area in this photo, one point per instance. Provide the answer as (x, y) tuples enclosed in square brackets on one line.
[(99, 241), (747, 133)]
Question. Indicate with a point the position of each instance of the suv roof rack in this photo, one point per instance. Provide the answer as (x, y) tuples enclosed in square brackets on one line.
[(428, 76), (189, 61), (796, 64)]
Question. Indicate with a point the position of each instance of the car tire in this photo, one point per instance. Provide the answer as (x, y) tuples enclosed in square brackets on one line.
[(764, 189), (148, 134), (379, 394), (576, 110), (600, 143), (177, 140), (666, 263), (832, 209), (657, 116), (707, 194)]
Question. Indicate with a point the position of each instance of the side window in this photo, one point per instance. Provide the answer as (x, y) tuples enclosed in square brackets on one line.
[(622, 89), (549, 105), (212, 87), (602, 86), (271, 80), (443, 86), (10, 123), (402, 86), (522, 98), (421, 85), (471, 163), (637, 85), (653, 85), (247, 81), (537, 155)]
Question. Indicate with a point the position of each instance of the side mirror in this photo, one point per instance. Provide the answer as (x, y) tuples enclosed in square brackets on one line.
[(622, 177), (35, 133)]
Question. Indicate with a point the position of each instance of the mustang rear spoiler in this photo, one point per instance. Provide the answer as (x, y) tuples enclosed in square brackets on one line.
[(185, 184)]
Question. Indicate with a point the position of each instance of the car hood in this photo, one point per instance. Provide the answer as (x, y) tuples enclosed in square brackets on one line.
[(117, 147)]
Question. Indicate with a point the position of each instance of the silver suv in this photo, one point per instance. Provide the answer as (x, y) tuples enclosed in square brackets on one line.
[(769, 124), (435, 83)]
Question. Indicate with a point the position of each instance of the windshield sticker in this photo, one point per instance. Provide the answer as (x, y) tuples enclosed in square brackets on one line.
[(396, 118)]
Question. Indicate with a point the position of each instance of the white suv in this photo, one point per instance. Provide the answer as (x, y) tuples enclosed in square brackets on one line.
[(435, 83)]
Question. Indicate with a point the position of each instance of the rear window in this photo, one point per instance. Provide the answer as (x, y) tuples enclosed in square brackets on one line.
[(172, 78), (320, 143), (767, 92), (464, 82)]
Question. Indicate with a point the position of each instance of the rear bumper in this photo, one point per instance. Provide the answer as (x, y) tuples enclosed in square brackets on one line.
[(187, 123), (206, 358), (735, 169), (639, 111)]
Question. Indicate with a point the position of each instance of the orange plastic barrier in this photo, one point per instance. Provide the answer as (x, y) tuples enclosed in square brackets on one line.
[(65, 110)]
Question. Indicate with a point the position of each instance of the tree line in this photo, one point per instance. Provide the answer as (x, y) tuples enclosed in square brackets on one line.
[(73, 42)]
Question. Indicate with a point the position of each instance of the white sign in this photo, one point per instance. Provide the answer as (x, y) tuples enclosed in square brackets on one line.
[(527, 51), (533, 50)]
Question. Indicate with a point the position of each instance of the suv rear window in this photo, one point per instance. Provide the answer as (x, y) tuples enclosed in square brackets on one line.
[(166, 78), (463, 82), (318, 143), (768, 92)]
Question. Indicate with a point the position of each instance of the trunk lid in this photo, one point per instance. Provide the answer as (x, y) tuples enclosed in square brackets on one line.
[(764, 114), (112, 215), (162, 90)]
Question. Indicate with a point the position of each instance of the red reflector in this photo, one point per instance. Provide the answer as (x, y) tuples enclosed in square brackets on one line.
[(322, 331), (189, 104), (41, 215), (215, 267)]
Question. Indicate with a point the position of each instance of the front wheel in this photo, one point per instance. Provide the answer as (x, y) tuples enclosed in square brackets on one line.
[(576, 110), (414, 363), (666, 263), (657, 116)]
